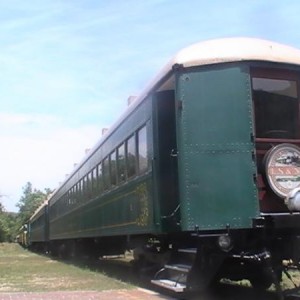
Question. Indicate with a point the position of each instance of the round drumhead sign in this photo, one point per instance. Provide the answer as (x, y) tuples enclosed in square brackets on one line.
[(283, 168)]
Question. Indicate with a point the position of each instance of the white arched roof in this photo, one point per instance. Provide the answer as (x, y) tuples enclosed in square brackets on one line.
[(235, 49)]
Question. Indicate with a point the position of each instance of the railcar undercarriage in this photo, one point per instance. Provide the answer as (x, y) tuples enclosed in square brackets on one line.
[(204, 260), (194, 262)]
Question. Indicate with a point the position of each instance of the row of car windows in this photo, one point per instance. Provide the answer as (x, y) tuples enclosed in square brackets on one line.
[(128, 160), (38, 223)]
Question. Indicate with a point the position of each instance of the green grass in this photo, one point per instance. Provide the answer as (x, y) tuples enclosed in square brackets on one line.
[(24, 271)]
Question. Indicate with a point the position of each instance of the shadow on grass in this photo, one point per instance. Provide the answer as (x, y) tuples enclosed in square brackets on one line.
[(116, 268), (121, 269)]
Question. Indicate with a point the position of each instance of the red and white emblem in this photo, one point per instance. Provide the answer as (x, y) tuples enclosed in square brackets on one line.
[(282, 165)]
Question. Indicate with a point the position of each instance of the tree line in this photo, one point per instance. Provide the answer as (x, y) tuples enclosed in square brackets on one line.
[(10, 223)]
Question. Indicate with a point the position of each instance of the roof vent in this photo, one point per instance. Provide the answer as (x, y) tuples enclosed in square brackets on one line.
[(131, 99), (104, 130)]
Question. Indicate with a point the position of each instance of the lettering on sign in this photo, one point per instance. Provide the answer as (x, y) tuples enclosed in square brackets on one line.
[(282, 165)]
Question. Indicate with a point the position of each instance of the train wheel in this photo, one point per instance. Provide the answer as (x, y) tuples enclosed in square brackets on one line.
[(261, 283), (53, 250), (263, 278), (203, 274)]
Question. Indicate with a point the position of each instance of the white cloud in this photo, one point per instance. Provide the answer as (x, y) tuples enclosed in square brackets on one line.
[(43, 158), (8, 119)]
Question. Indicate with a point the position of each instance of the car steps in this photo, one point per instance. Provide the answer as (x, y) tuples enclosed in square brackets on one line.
[(292, 297), (188, 250), (170, 285), (292, 294), (172, 277), (179, 268)]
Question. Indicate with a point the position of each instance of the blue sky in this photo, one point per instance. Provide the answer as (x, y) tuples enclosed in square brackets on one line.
[(68, 67)]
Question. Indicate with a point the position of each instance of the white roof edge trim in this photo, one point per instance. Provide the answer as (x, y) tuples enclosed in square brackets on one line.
[(40, 208), (236, 49)]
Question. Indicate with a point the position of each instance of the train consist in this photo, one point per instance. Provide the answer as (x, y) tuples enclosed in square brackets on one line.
[(200, 177)]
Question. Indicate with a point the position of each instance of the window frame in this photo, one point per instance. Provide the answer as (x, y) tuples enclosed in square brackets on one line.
[(142, 171), (113, 169), (121, 177), (276, 74), (135, 173)]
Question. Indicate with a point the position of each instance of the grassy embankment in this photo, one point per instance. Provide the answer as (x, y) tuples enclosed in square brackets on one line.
[(22, 270)]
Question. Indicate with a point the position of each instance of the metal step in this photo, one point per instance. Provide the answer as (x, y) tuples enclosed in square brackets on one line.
[(292, 296), (170, 285), (188, 250), (179, 267)]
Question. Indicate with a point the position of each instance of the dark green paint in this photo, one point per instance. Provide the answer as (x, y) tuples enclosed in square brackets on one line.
[(215, 159), (127, 209)]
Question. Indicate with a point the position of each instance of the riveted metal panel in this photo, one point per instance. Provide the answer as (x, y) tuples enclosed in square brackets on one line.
[(216, 165)]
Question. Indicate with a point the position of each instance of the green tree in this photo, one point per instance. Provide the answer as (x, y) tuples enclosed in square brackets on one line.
[(1, 205), (30, 201), (8, 230), (7, 224), (2, 223)]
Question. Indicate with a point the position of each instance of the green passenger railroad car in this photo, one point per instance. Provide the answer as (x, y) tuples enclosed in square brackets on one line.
[(38, 228), (201, 176)]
